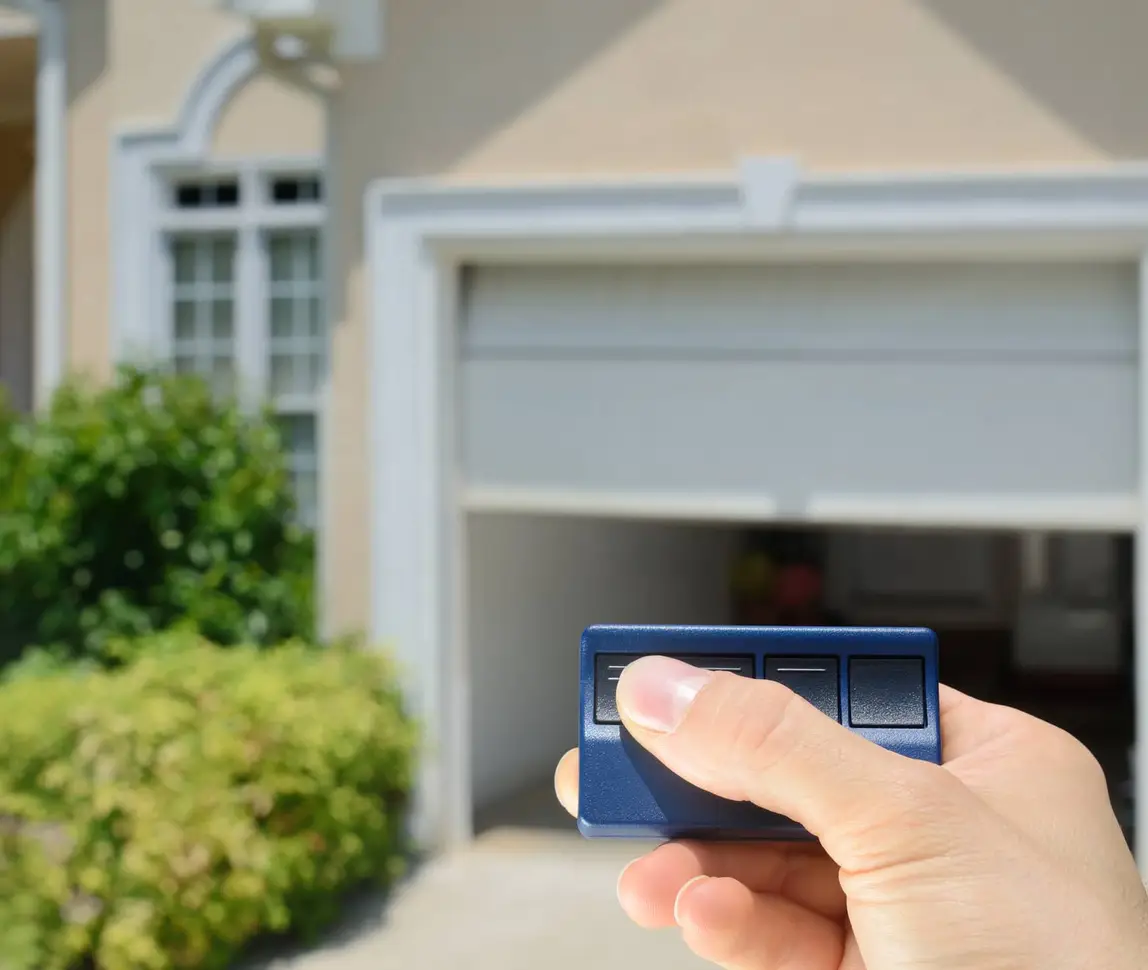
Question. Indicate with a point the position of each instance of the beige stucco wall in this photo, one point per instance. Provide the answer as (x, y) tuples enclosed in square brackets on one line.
[(499, 89), (272, 117), (131, 64)]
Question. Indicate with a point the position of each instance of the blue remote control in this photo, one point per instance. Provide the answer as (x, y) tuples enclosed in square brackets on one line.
[(880, 683)]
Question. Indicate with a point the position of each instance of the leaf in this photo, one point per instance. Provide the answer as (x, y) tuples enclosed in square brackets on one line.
[(136, 506), (211, 794)]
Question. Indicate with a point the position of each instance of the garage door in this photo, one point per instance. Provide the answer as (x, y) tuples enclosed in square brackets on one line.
[(802, 382)]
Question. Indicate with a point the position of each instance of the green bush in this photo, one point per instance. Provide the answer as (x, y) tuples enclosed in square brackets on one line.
[(128, 509), (164, 814)]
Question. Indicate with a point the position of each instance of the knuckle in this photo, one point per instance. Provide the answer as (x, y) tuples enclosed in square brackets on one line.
[(1079, 760), (1061, 751), (914, 789), (766, 731), (753, 723), (921, 816), (930, 786)]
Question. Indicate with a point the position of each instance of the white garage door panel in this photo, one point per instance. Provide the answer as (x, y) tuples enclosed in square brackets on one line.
[(927, 308), (797, 382), (789, 429)]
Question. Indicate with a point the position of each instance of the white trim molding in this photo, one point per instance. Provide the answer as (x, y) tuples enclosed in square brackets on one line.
[(420, 232), (1081, 513), (50, 336), (700, 507), (137, 157)]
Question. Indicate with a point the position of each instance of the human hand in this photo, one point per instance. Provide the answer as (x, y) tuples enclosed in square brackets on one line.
[(1007, 856)]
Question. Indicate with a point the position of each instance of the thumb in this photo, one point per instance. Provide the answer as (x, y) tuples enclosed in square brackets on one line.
[(757, 741)]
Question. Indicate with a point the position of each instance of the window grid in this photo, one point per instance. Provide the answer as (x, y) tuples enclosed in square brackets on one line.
[(293, 190), (203, 308), (247, 309), (299, 433), (297, 340), (207, 195)]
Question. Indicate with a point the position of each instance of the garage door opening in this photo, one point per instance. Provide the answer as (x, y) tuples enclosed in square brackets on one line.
[(1042, 623)]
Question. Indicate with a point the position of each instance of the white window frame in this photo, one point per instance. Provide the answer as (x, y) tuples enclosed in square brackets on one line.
[(251, 221)]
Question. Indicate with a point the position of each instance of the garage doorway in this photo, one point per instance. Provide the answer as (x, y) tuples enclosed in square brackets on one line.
[(1042, 623)]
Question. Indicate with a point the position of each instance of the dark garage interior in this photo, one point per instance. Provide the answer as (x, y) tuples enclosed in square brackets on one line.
[(1038, 622)]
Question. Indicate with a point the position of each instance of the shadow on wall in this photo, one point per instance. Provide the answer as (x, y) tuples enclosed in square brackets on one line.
[(515, 53), (1083, 62), (87, 61)]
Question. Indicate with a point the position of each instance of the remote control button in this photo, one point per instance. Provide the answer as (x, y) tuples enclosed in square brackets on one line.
[(813, 678), (608, 669), (887, 692)]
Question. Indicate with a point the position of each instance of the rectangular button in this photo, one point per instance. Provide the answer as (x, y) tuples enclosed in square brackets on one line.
[(814, 678), (608, 669), (887, 692)]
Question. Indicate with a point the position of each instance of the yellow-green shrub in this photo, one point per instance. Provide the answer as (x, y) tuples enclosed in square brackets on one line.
[(162, 815)]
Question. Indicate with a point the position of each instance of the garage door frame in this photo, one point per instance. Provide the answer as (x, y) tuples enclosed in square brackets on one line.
[(418, 235)]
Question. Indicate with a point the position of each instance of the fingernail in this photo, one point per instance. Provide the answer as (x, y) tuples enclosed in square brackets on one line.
[(622, 875), (656, 692), (682, 892)]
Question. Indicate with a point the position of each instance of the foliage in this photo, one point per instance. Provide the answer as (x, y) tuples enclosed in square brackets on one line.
[(164, 814), (126, 510)]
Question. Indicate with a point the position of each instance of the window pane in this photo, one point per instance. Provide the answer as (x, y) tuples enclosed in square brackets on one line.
[(221, 327), (282, 317), (184, 320), (296, 315), (188, 196), (307, 498), (282, 374), (203, 311), (183, 256), (314, 317), (227, 194), (223, 260), (285, 190), (222, 250), (207, 195), (315, 373), (311, 255), (282, 258), (289, 190), (299, 433), (223, 375)]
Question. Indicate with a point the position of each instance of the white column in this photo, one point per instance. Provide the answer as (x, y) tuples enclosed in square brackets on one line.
[(50, 334), (1140, 590)]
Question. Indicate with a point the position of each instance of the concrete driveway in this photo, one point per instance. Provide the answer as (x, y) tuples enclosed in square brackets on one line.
[(520, 898)]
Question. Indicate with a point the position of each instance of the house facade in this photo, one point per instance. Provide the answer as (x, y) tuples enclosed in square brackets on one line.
[(555, 298)]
